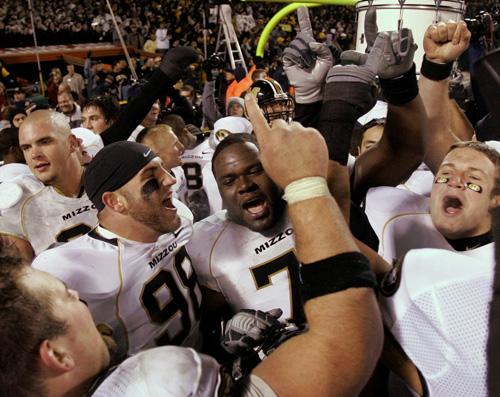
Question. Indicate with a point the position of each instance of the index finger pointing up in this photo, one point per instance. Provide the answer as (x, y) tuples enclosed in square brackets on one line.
[(259, 123)]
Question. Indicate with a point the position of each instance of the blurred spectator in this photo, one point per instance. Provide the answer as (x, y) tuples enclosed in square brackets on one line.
[(67, 106), (74, 80), (150, 44), (53, 85), (162, 40)]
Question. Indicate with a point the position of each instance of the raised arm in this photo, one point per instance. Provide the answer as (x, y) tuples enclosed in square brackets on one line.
[(336, 356), (173, 63), (401, 148), (443, 44)]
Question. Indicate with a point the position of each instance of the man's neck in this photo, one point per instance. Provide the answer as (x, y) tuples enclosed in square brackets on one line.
[(72, 184), (126, 228)]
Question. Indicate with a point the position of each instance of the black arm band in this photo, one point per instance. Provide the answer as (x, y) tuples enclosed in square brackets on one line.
[(402, 89), (338, 273), (435, 71)]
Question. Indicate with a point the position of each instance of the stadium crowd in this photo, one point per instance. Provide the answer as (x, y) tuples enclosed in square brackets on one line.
[(324, 224)]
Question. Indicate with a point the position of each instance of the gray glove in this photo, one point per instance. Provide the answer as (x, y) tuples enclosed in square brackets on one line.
[(398, 51), (176, 60), (247, 329), (364, 73), (306, 62)]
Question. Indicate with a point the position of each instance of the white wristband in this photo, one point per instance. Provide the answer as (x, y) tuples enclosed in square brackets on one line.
[(306, 188)]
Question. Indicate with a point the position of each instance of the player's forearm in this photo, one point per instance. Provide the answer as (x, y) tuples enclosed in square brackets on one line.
[(405, 127), (438, 136), (320, 229), (460, 124), (337, 354)]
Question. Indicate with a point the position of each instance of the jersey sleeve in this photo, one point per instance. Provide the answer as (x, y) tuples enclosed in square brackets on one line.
[(13, 197)]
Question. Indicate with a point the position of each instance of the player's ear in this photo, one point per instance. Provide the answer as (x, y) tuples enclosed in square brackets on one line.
[(115, 201), (73, 142), (54, 356), (495, 201)]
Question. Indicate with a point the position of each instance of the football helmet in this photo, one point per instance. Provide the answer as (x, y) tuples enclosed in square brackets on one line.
[(273, 101)]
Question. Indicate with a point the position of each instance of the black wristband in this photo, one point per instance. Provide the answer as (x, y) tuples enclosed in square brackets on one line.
[(338, 273), (435, 71), (401, 89)]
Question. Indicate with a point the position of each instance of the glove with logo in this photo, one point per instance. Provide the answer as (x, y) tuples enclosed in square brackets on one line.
[(398, 51), (176, 60), (247, 328), (306, 62)]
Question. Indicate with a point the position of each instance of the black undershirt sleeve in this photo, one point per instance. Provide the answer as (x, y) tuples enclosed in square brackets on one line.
[(137, 109)]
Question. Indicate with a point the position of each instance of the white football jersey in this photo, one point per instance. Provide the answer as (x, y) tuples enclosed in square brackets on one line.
[(420, 181), (402, 222), (172, 371), (252, 270), (146, 292), (166, 371), (41, 215), (437, 308), (179, 189), (13, 170), (202, 195)]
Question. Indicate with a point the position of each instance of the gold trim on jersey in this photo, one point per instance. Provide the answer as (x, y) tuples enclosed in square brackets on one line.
[(24, 205), (290, 294), (386, 224), (2, 233), (117, 305), (226, 225)]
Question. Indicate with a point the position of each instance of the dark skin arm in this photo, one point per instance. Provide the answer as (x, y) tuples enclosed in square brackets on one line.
[(397, 154)]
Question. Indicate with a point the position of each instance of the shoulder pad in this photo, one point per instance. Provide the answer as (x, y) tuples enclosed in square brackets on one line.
[(10, 195)]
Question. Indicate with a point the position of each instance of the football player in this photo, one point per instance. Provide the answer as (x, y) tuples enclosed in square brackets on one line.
[(57, 359), (272, 100), (456, 217), (52, 208), (167, 146), (246, 252), (202, 195), (133, 270)]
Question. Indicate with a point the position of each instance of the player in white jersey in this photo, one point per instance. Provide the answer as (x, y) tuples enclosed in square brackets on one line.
[(436, 306), (42, 215), (167, 146), (36, 216), (246, 252), (133, 269), (63, 353), (203, 196), (456, 217)]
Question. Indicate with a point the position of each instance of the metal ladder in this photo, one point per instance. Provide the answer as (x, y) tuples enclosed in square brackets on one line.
[(232, 44)]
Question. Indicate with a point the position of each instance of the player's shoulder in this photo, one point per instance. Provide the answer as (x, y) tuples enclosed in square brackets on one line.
[(393, 200), (17, 191), (210, 226), (189, 373), (13, 170), (76, 250), (205, 234), (200, 152)]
